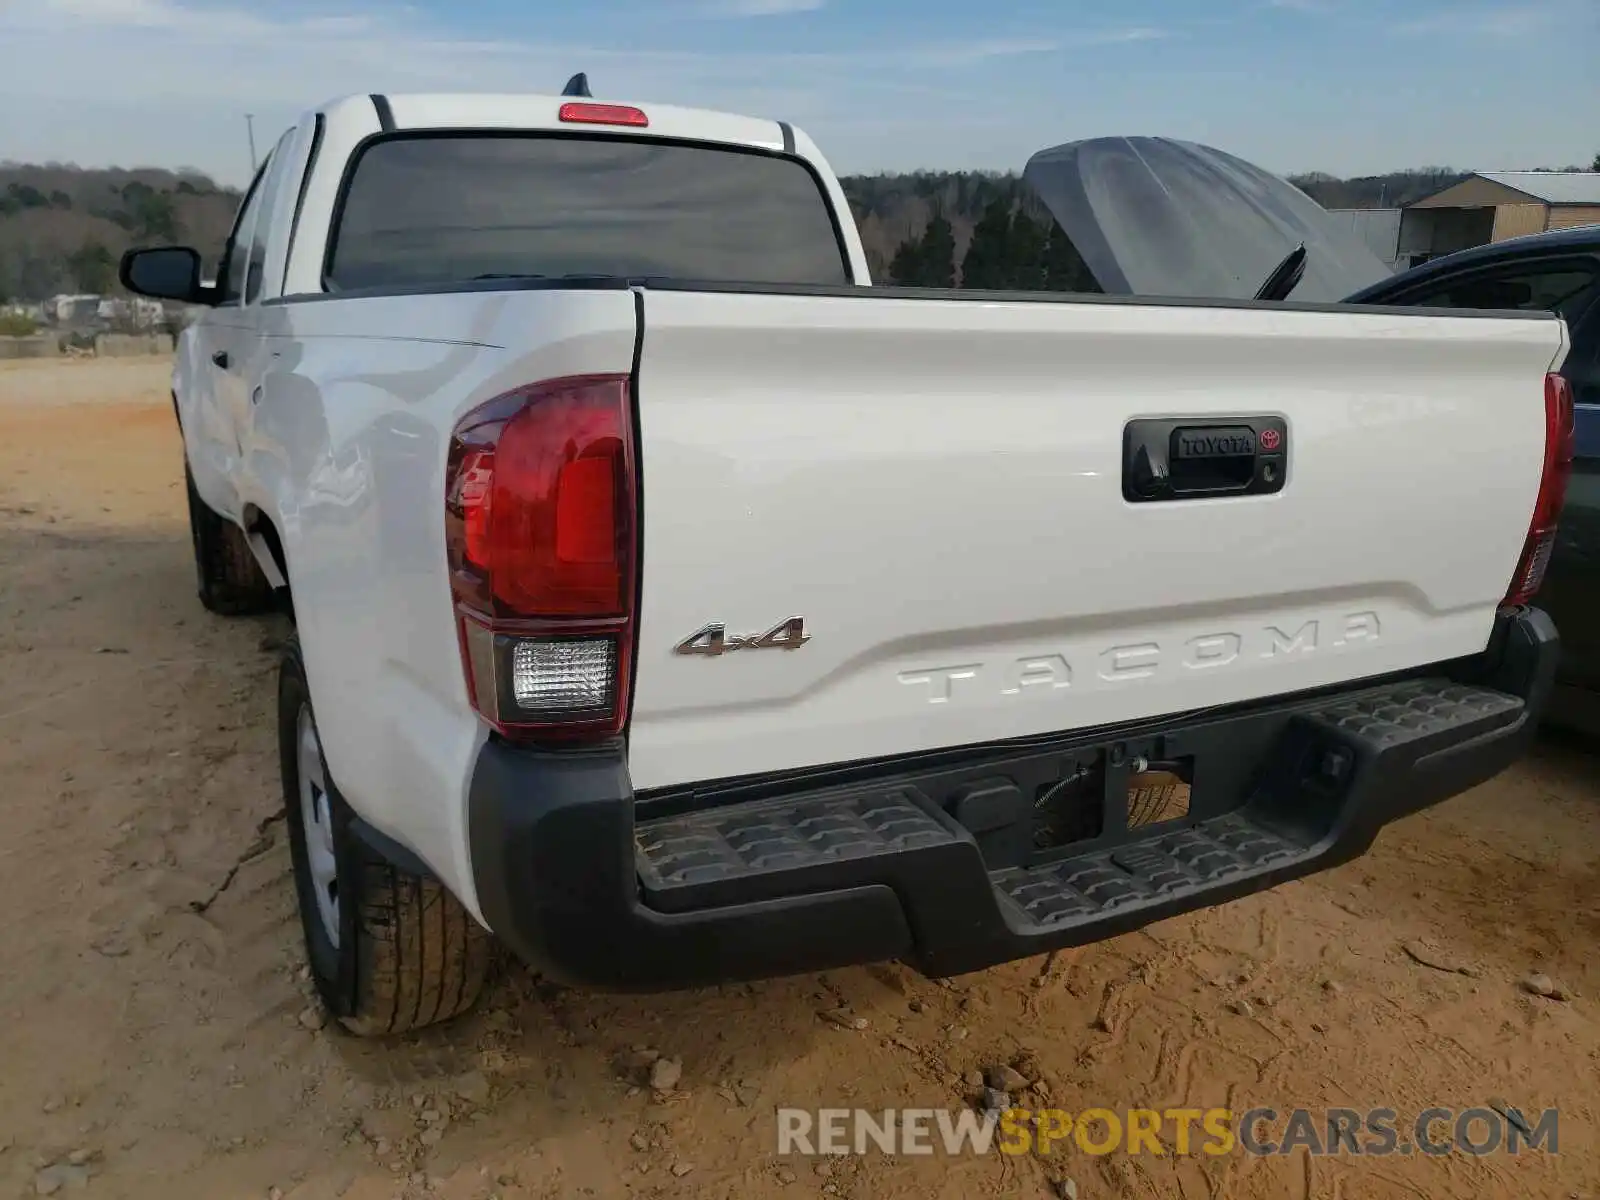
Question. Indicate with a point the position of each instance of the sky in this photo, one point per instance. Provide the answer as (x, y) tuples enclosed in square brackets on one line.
[(1345, 86)]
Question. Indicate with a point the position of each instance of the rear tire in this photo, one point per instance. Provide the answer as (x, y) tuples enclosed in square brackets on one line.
[(230, 581), (390, 951)]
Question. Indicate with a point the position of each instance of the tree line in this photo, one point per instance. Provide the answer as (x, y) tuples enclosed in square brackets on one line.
[(979, 229), (63, 228), (968, 229), (1009, 250)]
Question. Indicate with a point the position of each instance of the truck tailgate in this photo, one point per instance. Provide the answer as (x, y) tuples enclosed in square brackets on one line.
[(935, 486)]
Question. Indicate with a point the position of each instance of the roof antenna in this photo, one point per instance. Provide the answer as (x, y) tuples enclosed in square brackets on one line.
[(578, 85)]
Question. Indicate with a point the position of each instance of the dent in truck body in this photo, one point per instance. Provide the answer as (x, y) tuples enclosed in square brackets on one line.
[(348, 454)]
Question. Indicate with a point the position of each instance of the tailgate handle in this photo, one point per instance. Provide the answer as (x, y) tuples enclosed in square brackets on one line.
[(1184, 459)]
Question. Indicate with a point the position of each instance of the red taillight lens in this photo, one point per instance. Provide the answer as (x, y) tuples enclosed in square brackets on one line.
[(604, 114), (540, 530), (1560, 445)]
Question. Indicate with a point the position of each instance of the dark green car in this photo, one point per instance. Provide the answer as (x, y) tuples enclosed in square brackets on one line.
[(1559, 272)]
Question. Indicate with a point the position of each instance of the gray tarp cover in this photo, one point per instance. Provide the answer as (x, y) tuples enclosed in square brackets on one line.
[(1159, 217)]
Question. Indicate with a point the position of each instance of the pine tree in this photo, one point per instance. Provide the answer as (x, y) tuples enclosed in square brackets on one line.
[(987, 261), (937, 255), (1025, 254), (1064, 268), (905, 268)]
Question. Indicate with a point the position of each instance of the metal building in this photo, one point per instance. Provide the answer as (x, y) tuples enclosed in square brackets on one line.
[(1491, 206)]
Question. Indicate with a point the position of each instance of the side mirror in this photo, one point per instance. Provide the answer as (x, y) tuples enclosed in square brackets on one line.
[(165, 273)]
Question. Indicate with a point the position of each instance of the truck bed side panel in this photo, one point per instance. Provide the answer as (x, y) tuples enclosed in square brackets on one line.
[(348, 458)]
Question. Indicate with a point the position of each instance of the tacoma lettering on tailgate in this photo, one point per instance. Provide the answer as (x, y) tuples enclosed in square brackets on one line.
[(1038, 674)]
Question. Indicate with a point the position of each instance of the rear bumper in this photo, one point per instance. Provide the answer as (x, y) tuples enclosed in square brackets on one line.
[(766, 877)]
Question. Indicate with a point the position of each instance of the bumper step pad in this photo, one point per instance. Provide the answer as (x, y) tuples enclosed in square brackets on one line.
[(740, 851), (1193, 859), (1408, 713), (1278, 827), (1278, 821)]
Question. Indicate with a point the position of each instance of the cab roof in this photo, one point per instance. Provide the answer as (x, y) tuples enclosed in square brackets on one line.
[(423, 111)]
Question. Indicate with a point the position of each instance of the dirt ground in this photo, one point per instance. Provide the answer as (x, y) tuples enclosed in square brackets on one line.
[(157, 1039)]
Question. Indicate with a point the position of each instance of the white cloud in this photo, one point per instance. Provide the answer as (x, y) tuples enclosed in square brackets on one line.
[(164, 51), (949, 54), (761, 8), (153, 51), (167, 82), (147, 13), (1111, 37), (338, 25), (1493, 21), (200, 21)]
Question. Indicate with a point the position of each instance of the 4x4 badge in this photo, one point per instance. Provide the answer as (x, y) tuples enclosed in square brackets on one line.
[(714, 639)]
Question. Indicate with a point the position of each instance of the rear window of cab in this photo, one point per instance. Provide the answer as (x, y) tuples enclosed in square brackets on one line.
[(444, 209)]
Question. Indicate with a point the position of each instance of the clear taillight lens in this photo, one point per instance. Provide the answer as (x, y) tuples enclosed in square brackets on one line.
[(570, 676)]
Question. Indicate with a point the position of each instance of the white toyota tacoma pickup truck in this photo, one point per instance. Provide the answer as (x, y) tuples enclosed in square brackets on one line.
[(674, 606)]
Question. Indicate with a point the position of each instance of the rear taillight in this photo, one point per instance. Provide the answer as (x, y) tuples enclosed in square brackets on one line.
[(541, 529), (1560, 443)]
